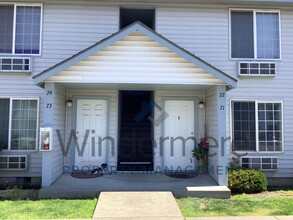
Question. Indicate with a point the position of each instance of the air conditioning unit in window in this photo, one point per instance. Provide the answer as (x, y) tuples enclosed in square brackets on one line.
[(252, 68), (265, 163), (12, 162), (16, 64)]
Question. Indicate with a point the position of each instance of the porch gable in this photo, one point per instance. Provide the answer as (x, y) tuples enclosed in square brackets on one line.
[(136, 54)]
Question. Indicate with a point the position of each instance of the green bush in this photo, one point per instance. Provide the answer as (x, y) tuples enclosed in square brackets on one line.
[(247, 181)]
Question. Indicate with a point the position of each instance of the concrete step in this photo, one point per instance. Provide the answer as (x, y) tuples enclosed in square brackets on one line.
[(217, 192)]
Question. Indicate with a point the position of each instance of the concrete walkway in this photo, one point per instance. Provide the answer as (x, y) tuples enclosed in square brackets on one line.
[(137, 205), (152, 206)]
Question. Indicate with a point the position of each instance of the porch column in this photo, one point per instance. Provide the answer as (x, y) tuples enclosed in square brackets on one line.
[(47, 157), (222, 154)]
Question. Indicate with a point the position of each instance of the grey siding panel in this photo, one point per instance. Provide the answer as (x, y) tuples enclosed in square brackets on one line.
[(212, 130), (80, 27), (58, 124), (203, 30)]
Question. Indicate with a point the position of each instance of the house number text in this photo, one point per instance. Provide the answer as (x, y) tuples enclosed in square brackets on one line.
[(49, 93)]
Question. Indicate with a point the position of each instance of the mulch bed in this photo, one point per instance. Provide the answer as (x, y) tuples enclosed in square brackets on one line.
[(182, 175), (85, 175)]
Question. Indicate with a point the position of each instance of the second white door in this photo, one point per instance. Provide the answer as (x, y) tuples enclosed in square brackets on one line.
[(179, 129)]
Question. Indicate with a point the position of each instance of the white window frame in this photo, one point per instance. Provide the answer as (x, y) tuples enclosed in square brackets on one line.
[(15, 5), (256, 125), (10, 122), (254, 11)]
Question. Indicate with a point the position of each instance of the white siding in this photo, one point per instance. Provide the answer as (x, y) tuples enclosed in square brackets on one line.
[(212, 131), (136, 59), (202, 30), (70, 28)]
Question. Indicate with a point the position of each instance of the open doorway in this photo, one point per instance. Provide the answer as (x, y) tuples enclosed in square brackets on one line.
[(135, 149), (144, 15)]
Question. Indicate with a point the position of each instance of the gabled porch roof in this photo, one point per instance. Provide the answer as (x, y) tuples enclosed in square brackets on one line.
[(135, 27)]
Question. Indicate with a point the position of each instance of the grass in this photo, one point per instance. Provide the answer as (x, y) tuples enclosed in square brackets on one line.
[(23, 206), (47, 209), (238, 205)]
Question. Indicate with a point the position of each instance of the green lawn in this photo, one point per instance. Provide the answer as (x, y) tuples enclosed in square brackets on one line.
[(57, 208), (268, 203), (239, 205)]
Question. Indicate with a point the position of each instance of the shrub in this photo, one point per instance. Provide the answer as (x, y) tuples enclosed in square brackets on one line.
[(234, 164), (247, 181)]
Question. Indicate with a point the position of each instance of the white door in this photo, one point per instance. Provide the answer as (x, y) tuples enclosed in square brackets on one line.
[(91, 121), (179, 128)]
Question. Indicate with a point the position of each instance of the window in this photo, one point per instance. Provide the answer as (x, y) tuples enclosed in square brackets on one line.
[(20, 29), (257, 126), (19, 124), (255, 34), (130, 15)]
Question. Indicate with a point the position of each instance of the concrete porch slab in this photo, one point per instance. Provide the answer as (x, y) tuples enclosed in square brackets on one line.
[(137, 205), (68, 187)]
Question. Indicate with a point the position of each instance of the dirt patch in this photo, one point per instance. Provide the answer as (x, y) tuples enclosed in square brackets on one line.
[(288, 194)]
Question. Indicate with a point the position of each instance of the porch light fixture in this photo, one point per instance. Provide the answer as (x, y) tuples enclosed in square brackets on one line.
[(69, 103), (201, 105)]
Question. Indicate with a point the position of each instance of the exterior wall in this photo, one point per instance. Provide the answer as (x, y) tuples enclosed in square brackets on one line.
[(276, 89), (201, 29), (212, 130), (70, 28), (204, 30), (58, 123), (21, 86)]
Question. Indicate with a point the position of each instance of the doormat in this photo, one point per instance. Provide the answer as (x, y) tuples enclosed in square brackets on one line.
[(183, 175), (85, 175)]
